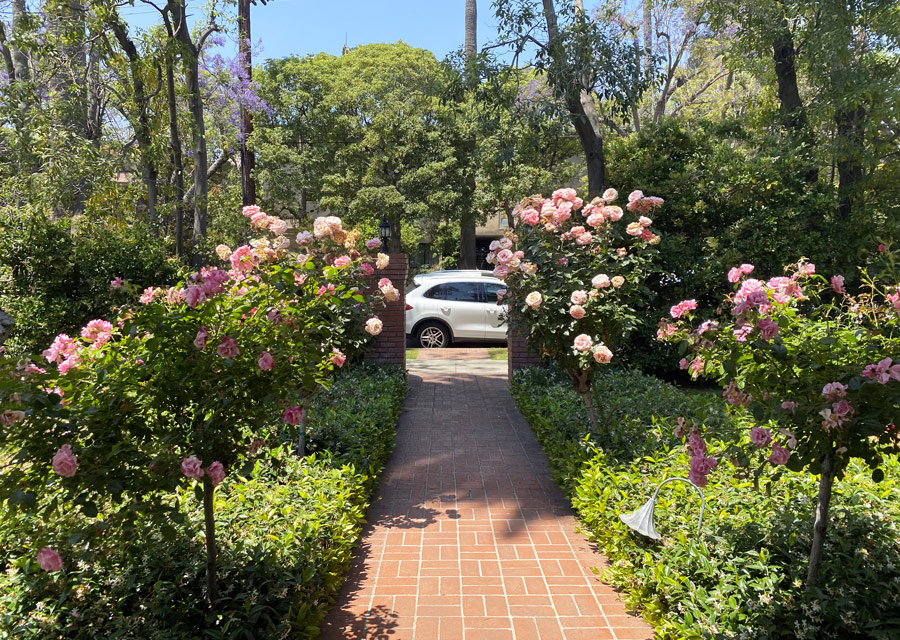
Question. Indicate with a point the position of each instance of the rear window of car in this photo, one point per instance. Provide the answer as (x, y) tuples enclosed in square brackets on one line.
[(455, 292)]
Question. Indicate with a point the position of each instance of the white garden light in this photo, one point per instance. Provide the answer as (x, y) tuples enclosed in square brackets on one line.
[(642, 519)]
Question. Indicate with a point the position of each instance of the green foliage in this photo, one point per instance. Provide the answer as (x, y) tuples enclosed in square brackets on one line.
[(742, 578), (55, 274), (286, 530)]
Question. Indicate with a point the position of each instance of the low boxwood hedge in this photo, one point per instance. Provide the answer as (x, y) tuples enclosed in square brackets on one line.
[(742, 576), (286, 528)]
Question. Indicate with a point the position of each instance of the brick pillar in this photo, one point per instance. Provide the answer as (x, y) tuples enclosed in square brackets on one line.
[(520, 352), (390, 346)]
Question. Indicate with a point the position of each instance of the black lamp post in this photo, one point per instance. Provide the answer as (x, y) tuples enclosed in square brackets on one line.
[(384, 232)]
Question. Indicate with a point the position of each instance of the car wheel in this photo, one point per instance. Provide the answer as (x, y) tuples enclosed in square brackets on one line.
[(433, 335)]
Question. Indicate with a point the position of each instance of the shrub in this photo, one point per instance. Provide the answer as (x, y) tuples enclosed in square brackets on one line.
[(287, 530), (576, 281), (743, 577)]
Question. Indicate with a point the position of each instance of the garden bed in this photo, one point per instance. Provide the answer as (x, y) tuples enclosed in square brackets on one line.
[(743, 576), (287, 528)]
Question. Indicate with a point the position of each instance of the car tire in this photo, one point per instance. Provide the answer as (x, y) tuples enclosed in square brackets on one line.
[(433, 335)]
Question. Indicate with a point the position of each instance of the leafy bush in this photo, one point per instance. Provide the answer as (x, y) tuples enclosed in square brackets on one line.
[(743, 576), (287, 529), (55, 276)]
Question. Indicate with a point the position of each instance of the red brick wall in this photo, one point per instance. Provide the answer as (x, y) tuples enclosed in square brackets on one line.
[(520, 352), (390, 346)]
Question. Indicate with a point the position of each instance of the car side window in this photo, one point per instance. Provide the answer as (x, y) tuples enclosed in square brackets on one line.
[(491, 289), (456, 292)]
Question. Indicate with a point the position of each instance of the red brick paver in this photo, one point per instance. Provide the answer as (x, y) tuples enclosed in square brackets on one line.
[(470, 538), (454, 353)]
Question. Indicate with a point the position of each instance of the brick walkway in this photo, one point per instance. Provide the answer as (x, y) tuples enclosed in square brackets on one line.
[(470, 538)]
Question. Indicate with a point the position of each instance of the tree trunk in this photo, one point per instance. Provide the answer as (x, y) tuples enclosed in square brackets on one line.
[(582, 110), (177, 159), (19, 25), (583, 385), (792, 110), (141, 123), (248, 159), (467, 251), (209, 517), (850, 169), (826, 482), (198, 130)]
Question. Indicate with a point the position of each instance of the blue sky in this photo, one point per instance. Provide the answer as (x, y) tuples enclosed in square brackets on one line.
[(299, 27)]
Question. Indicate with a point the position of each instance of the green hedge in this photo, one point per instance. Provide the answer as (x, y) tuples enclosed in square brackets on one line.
[(742, 578), (286, 528)]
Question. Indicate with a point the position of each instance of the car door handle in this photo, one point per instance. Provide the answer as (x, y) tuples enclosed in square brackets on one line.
[(445, 309)]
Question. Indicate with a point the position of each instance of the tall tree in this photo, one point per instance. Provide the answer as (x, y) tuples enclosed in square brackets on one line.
[(467, 259)]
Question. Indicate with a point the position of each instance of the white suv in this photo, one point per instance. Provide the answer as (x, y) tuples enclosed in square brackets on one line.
[(455, 307)]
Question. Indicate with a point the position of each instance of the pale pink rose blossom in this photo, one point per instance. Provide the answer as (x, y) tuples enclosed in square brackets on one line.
[(292, 415), (760, 436), (530, 217), (610, 195), (634, 229), (97, 331), (834, 390), (277, 226), (337, 358), (563, 261), (228, 348), (697, 366), (768, 328), (617, 281), (583, 342), (534, 299), (504, 256), (11, 417), (684, 364), (596, 219), (645, 221), (266, 362), (578, 296), (373, 243), (837, 283), (792, 439), (576, 311), (49, 560), (583, 238), (116, 282), (148, 294), (194, 296), (779, 454), (842, 408), (505, 243), (216, 473), (374, 325), (243, 259), (789, 405), (635, 195), (223, 251), (613, 213), (192, 467), (382, 261), (342, 261), (200, 340), (601, 281), (734, 274), (601, 353), (65, 463), (304, 239), (250, 210)]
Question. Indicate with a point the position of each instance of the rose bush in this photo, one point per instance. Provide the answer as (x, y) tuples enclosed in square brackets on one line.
[(184, 386), (575, 277), (815, 366)]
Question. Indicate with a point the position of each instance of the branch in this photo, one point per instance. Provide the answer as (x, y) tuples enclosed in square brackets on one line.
[(212, 28), (7, 57), (700, 91), (213, 168)]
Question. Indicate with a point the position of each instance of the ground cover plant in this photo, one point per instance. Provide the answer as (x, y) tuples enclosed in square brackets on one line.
[(744, 575), (287, 526)]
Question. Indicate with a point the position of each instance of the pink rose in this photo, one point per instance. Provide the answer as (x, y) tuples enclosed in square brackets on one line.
[(192, 468), (837, 283), (834, 390), (882, 248), (501, 271), (842, 408), (374, 326), (366, 268), (116, 282), (698, 479), (697, 366), (578, 297), (779, 454), (760, 437), (789, 405), (384, 282), (768, 328), (250, 210), (701, 464), (292, 415), (216, 473), (304, 239), (696, 444), (228, 348), (97, 331), (683, 364), (530, 217), (734, 274), (601, 353), (747, 269), (194, 296), (11, 416), (49, 560), (200, 340), (64, 463), (374, 243), (342, 261), (583, 342), (635, 195), (266, 362), (576, 311), (337, 358), (563, 261), (243, 259), (277, 226)]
